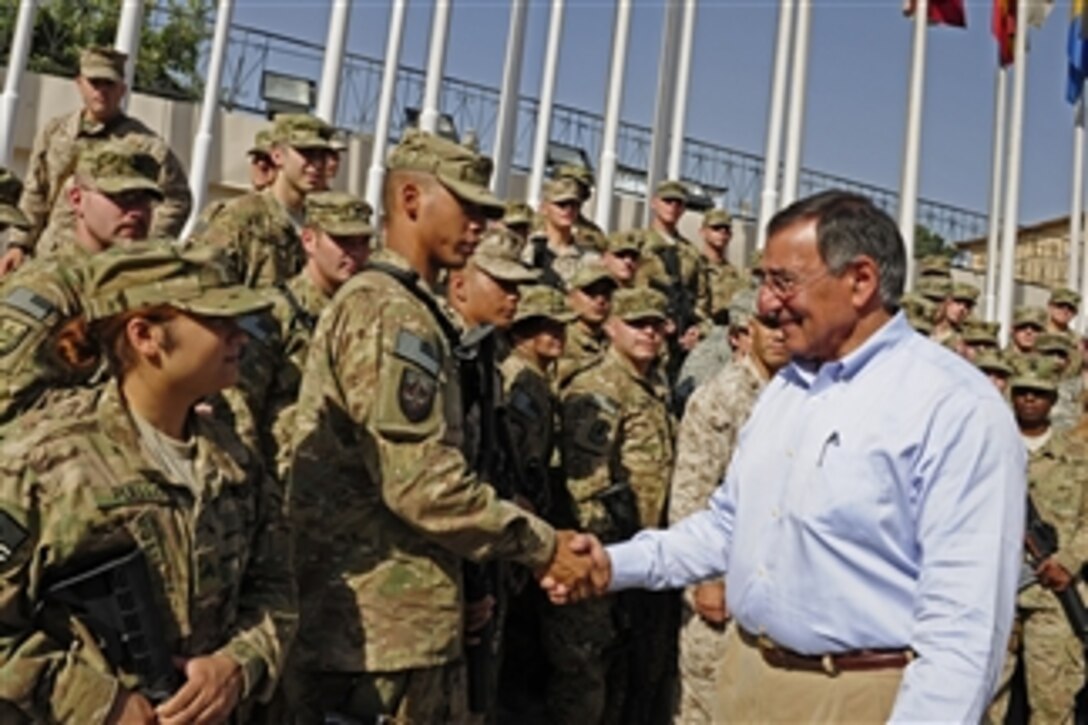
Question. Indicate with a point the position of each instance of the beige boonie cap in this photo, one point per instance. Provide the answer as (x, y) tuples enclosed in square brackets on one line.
[(10, 191), (626, 241), (517, 213), (717, 218), (338, 213), (541, 300), (1065, 296), (1029, 316), (463, 172), (558, 191), (301, 131), (639, 303), (590, 272), (102, 63), (262, 143), (499, 255), (116, 167), (147, 274), (672, 190)]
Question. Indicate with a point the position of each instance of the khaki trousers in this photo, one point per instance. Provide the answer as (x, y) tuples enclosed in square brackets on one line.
[(751, 691)]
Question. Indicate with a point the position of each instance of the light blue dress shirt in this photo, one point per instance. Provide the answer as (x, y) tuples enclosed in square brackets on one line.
[(873, 502)]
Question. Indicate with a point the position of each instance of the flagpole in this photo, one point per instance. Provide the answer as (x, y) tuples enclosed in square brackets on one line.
[(376, 172), (9, 101), (436, 62), (912, 143), (768, 200), (612, 111), (544, 108), (683, 81), (1012, 183), (663, 104), (329, 93), (127, 41), (209, 106), (791, 173), (997, 169), (1076, 219), (508, 100)]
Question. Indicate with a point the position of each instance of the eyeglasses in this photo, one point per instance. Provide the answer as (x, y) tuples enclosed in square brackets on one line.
[(784, 285)]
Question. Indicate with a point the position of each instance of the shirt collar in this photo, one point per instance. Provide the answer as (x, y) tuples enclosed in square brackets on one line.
[(807, 373)]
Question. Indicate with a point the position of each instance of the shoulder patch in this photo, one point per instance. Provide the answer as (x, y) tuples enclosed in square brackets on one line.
[(132, 493), (30, 302), (416, 393), (416, 350), (524, 404), (12, 536), (606, 404), (12, 333)]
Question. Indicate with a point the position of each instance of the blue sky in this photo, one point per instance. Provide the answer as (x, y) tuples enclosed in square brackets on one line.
[(858, 73)]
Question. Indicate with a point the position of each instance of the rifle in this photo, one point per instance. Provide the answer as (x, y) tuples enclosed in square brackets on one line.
[(114, 601), (1041, 541), (681, 308), (544, 260)]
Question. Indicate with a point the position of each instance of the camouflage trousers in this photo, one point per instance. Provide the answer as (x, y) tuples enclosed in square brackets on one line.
[(427, 695), (702, 647), (1053, 667)]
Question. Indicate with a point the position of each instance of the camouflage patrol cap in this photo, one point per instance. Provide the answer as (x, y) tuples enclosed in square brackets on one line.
[(147, 274), (992, 361), (717, 218), (671, 190), (625, 241), (541, 300), (116, 167), (1051, 342), (337, 142), (10, 191), (262, 143), (964, 292), (499, 255), (935, 265), (978, 332), (517, 213), (338, 213), (464, 173), (934, 289), (589, 273), (301, 131), (1028, 316), (1064, 296), (742, 309), (558, 191), (639, 303), (102, 63), (1036, 374), (582, 175)]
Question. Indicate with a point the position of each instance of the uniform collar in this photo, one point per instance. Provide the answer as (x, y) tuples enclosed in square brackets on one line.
[(809, 373)]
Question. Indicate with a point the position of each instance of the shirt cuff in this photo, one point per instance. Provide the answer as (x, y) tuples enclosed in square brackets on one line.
[(86, 692), (628, 571), (539, 547), (253, 666)]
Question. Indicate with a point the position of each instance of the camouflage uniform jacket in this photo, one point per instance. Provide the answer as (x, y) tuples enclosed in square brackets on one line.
[(693, 278), (617, 429), (583, 347), (79, 489), (1058, 483), (383, 504), (588, 235), (706, 359), (723, 280), (53, 160), (557, 266), (530, 414), (261, 238)]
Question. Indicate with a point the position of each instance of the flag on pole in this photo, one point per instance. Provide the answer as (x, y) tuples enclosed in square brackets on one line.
[(941, 12), (1077, 50), (1004, 23)]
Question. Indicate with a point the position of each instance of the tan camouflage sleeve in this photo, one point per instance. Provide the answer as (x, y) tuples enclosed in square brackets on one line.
[(219, 228), (173, 212), (1073, 554), (704, 445), (34, 202)]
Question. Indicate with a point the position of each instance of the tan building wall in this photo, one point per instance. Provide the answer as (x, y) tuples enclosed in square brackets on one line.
[(1042, 253)]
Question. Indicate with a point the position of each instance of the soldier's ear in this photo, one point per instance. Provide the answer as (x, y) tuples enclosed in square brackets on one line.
[(75, 198)]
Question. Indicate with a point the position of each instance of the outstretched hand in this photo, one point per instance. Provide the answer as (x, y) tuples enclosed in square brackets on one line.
[(579, 570)]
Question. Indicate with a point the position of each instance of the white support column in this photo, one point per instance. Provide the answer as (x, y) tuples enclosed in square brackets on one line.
[(912, 142), (666, 94), (1076, 207), (683, 81), (768, 199), (1005, 290), (544, 108), (376, 173), (997, 185), (613, 108), (202, 143), (503, 152), (335, 42), (9, 101), (795, 129), (436, 64), (129, 26)]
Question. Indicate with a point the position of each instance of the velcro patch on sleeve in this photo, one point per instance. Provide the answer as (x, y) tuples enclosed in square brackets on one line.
[(30, 303), (414, 349), (12, 536)]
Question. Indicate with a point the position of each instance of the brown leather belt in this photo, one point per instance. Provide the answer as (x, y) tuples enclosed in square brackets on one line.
[(830, 664)]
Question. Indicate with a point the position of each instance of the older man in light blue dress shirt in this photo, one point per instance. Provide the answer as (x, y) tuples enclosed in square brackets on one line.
[(870, 525)]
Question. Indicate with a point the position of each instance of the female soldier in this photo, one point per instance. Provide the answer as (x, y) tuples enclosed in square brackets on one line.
[(135, 534)]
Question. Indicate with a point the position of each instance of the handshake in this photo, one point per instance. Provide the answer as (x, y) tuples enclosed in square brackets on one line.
[(579, 569)]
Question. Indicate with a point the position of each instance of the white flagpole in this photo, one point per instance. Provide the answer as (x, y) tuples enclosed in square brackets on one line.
[(912, 143), (544, 109), (9, 101), (329, 93), (127, 41), (768, 200), (1076, 208), (666, 93), (436, 63), (791, 173), (683, 81), (376, 172), (1005, 288), (202, 143), (612, 114), (508, 101), (997, 170)]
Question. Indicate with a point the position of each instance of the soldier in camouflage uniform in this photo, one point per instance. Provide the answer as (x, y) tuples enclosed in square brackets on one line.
[(979, 337), (935, 266), (262, 169), (10, 191), (1055, 348), (994, 365), (590, 298), (1027, 324), (704, 445), (586, 231), (919, 311), (260, 230), (948, 329), (518, 219), (729, 336), (384, 505), (1061, 310), (1058, 484), (554, 249), (622, 257), (112, 196), (60, 143), (130, 468), (618, 457), (723, 280)]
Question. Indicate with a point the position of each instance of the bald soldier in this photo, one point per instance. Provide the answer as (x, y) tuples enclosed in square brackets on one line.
[(385, 506), (260, 230), (101, 84)]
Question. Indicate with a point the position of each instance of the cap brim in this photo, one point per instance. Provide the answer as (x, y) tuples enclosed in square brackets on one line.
[(102, 74), (481, 196), (565, 197), (673, 196), (121, 185), (348, 229), (233, 301), (604, 277), (563, 318), (505, 270), (12, 217), (645, 314)]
